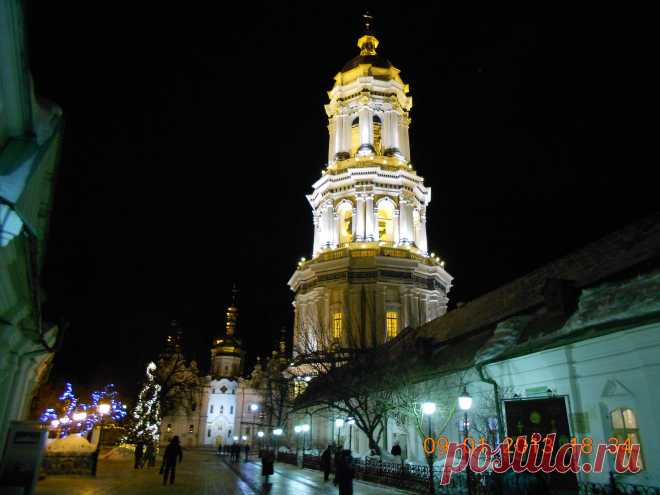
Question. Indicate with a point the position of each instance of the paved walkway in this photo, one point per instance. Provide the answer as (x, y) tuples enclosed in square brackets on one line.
[(200, 473)]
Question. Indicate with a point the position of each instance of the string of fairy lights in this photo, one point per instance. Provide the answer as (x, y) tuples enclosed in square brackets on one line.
[(74, 416)]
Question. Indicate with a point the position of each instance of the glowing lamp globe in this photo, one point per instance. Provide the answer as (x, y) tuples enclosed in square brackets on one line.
[(260, 434), (235, 439), (297, 429), (104, 409), (350, 421), (254, 407), (244, 438), (79, 416), (339, 422), (278, 431), (428, 408), (465, 401), (305, 428)]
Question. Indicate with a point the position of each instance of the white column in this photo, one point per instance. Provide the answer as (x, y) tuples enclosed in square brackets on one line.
[(394, 145), (335, 229), (347, 134), (332, 133), (327, 226), (385, 131), (354, 224), (422, 243), (341, 142), (366, 131), (317, 234), (370, 219), (359, 235), (395, 227), (404, 141), (405, 222)]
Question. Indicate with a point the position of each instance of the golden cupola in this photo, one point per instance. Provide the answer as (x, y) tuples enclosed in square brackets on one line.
[(226, 353)]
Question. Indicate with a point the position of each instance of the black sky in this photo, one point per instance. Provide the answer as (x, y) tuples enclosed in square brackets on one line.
[(193, 134)]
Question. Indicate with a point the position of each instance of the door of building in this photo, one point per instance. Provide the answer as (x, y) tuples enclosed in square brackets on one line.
[(544, 415)]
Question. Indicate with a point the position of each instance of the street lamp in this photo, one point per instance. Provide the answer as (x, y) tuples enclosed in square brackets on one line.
[(235, 439), (350, 422), (297, 429), (465, 403), (244, 438), (254, 407), (428, 408), (103, 409), (338, 423), (277, 432), (304, 429), (260, 434)]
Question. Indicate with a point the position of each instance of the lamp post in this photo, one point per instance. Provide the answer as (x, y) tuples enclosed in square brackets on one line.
[(338, 423), (277, 433), (428, 408), (297, 429), (104, 410), (465, 403), (304, 429), (253, 409), (350, 422)]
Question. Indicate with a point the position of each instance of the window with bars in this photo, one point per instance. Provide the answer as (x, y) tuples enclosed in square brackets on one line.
[(626, 429), (336, 326), (392, 321)]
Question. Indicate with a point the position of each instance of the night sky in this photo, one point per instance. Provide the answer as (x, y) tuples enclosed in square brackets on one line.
[(193, 135)]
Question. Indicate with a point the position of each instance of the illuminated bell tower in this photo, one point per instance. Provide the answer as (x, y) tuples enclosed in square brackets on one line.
[(371, 273), (226, 353)]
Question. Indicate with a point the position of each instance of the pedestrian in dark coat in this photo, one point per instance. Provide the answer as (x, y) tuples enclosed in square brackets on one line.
[(344, 473), (337, 460), (396, 449), (150, 455), (172, 453), (247, 450), (326, 462), (139, 452), (267, 464)]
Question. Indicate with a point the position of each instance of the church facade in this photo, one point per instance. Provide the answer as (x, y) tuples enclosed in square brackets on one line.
[(224, 406)]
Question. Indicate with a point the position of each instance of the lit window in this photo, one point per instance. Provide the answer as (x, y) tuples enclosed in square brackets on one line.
[(191, 428), (625, 429), (336, 326), (392, 318)]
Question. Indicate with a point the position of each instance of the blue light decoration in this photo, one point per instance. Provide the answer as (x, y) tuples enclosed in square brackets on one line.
[(72, 404)]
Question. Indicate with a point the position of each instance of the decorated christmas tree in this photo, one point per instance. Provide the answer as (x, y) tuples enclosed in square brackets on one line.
[(145, 420)]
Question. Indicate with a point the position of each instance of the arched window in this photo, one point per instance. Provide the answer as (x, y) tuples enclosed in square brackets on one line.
[(626, 429), (222, 409), (345, 215), (211, 410), (377, 134), (385, 221), (336, 326), (392, 324), (355, 135)]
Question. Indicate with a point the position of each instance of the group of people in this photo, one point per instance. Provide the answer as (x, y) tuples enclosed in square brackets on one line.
[(147, 456), (341, 460), (234, 451)]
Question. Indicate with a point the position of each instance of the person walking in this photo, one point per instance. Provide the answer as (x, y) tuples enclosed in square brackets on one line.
[(150, 455), (172, 452), (338, 452), (396, 449), (344, 473), (247, 451), (139, 453), (326, 462), (267, 465)]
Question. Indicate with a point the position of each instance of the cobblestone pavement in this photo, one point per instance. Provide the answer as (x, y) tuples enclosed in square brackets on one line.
[(200, 473)]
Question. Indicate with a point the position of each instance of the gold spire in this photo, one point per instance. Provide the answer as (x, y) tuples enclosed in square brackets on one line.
[(367, 42), (232, 313)]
